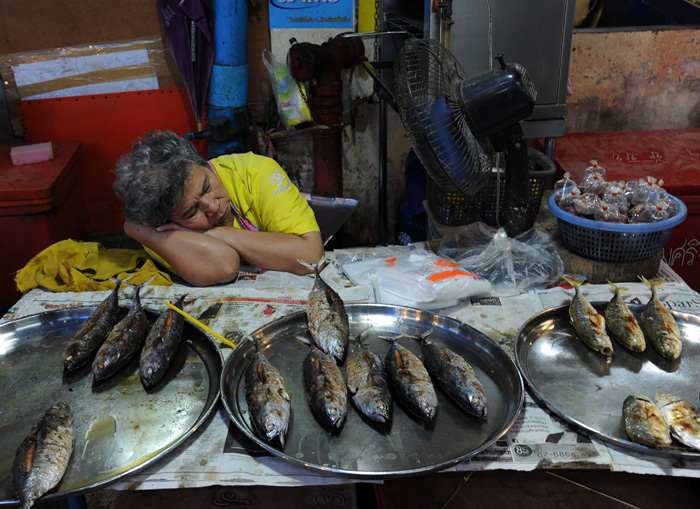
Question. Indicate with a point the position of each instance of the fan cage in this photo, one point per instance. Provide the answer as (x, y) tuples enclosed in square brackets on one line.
[(426, 75), (450, 207)]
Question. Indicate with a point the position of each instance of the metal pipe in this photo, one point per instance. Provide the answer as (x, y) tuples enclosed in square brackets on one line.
[(228, 87), (382, 206)]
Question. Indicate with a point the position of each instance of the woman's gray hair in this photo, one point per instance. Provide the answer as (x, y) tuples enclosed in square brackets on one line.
[(151, 179)]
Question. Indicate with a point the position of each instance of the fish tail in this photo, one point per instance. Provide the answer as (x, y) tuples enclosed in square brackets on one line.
[(653, 285), (137, 290), (313, 266), (359, 337), (572, 282), (616, 288)]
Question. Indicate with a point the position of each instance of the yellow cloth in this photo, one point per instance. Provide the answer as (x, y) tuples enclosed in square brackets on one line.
[(74, 266)]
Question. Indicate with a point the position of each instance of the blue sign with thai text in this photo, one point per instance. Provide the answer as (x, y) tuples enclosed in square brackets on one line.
[(311, 14)]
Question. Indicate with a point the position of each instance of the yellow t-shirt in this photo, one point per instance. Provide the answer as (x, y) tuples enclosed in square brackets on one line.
[(261, 191)]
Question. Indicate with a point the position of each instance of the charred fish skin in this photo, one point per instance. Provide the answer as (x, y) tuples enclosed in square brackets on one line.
[(92, 333), (456, 377), (161, 345), (367, 385), (659, 324), (682, 418), (123, 341), (588, 323), (268, 401), (325, 389), (622, 323), (327, 317), (42, 458), (644, 422), (411, 382)]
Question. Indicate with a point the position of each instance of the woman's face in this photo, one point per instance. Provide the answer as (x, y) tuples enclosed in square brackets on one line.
[(205, 203)]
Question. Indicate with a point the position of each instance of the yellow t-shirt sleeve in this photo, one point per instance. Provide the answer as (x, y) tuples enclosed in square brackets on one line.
[(279, 205)]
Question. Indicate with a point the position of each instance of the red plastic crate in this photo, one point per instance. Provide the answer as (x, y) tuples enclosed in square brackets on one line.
[(672, 155), (39, 206)]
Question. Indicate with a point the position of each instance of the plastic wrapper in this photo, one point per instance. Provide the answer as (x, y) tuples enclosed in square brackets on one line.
[(647, 191), (587, 205), (647, 213), (609, 214), (669, 206), (512, 265), (615, 196), (568, 202), (417, 278), (290, 96), (593, 180), (564, 187)]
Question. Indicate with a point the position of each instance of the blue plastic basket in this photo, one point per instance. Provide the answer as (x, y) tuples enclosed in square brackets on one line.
[(613, 242)]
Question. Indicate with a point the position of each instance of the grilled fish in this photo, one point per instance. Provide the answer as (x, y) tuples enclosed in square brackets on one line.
[(588, 323), (42, 458), (455, 376), (123, 341), (682, 418), (325, 389), (410, 381), (327, 317), (622, 323), (92, 333), (161, 345), (644, 422), (366, 383), (268, 401), (659, 325)]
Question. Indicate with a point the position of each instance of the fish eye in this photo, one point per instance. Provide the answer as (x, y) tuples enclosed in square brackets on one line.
[(270, 427)]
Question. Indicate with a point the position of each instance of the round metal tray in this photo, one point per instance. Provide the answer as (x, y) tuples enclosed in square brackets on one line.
[(579, 386), (119, 427), (365, 450)]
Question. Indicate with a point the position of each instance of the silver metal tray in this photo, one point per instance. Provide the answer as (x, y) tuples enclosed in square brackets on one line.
[(364, 450), (119, 427), (579, 386)]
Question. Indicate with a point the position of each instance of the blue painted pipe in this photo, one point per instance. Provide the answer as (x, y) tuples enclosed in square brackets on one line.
[(228, 86)]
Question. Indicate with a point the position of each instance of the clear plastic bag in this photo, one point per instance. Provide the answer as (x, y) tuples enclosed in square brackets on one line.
[(289, 95), (512, 265)]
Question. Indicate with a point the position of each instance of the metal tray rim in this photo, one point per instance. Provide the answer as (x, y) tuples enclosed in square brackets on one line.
[(212, 399), (545, 401), (359, 474)]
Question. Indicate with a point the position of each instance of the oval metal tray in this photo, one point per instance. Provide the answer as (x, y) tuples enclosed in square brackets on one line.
[(119, 427), (364, 450), (579, 386)]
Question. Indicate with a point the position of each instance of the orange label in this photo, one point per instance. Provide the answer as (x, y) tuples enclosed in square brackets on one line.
[(391, 260), (445, 263), (449, 273)]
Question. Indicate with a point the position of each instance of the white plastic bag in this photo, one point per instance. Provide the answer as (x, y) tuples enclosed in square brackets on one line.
[(289, 95), (418, 279)]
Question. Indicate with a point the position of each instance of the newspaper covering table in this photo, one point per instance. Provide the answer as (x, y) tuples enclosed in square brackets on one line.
[(219, 454)]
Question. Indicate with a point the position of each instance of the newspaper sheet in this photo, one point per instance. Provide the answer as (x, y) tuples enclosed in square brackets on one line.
[(219, 454)]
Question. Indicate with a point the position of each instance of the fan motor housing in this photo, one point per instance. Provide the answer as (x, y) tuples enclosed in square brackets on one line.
[(494, 100)]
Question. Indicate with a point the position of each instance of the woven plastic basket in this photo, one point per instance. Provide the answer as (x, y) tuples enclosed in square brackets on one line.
[(613, 242), (451, 207)]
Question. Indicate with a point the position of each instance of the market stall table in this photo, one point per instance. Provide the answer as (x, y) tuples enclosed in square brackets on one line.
[(219, 454)]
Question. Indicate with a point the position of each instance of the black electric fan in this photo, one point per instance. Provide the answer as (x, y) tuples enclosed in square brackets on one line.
[(457, 124)]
